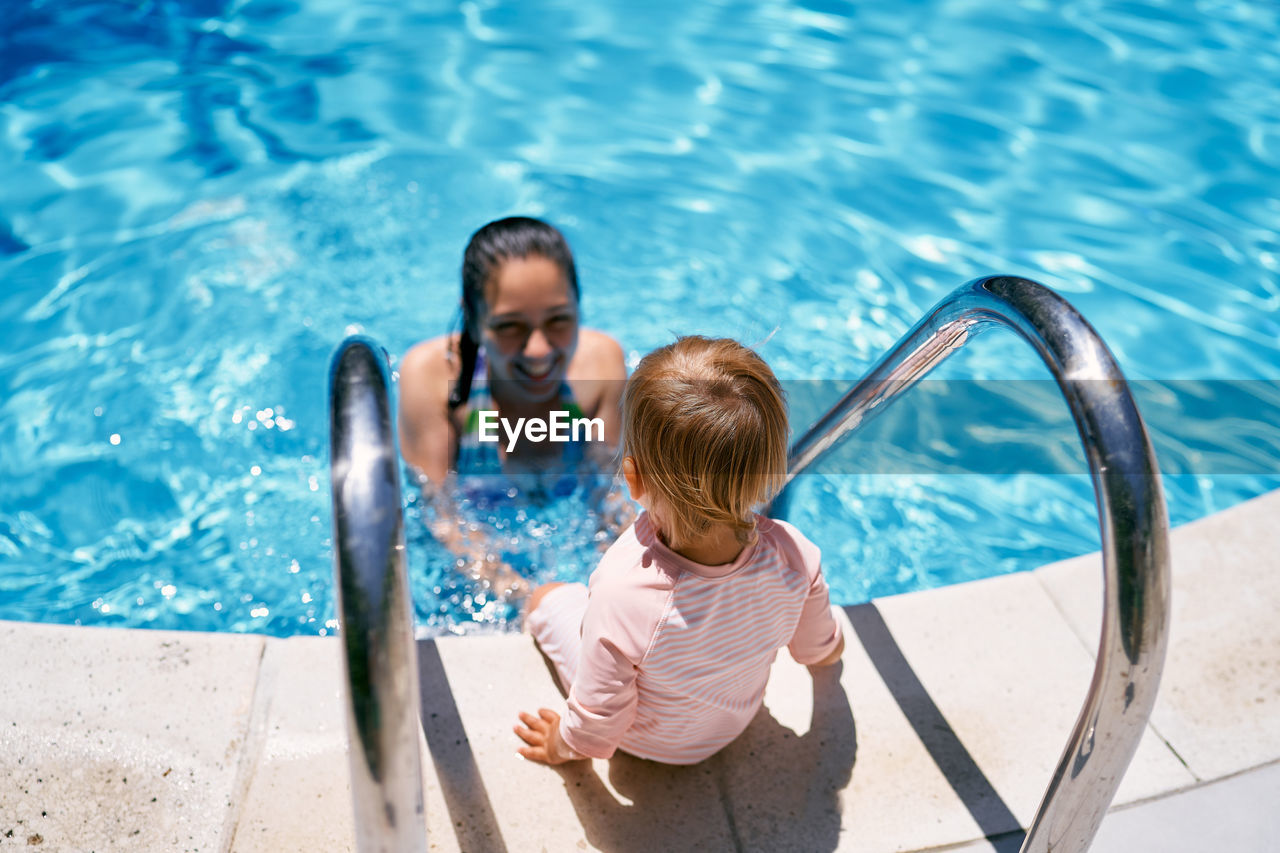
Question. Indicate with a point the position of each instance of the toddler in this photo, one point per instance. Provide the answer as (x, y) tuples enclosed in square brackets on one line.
[(667, 654)]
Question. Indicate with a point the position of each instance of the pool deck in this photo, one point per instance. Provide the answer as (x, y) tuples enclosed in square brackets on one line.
[(939, 731)]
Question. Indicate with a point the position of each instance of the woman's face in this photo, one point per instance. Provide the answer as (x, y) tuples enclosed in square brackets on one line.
[(530, 328)]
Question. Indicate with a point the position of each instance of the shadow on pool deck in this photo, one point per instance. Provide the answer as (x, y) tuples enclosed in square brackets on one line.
[(464, 793), (964, 775)]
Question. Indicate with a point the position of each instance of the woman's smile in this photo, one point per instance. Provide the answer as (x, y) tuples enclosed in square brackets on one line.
[(539, 377)]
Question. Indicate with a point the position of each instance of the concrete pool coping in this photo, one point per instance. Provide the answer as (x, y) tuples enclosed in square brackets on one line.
[(939, 731)]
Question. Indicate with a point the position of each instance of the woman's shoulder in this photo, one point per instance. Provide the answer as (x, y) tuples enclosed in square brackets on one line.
[(431, 358), (426, 373), (599, 356)]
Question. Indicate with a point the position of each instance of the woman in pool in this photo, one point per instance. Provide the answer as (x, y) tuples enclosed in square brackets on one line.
[(521, 354)]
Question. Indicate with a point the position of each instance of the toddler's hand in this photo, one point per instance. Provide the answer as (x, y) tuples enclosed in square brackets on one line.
[(542, 733)]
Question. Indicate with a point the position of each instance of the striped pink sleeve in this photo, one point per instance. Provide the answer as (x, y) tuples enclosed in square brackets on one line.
[(818, 633), (627, 600)]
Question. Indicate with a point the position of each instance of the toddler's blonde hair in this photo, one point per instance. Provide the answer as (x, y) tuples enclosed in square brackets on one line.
[(706, 422)]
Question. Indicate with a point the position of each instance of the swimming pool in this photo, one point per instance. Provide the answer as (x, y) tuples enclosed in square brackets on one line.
[(201, 201)]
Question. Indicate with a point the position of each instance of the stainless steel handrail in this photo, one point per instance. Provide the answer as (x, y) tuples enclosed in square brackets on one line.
[(380, 660), (1131, 514)]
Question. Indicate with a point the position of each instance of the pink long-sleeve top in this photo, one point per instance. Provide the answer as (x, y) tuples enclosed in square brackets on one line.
[(675, 655)]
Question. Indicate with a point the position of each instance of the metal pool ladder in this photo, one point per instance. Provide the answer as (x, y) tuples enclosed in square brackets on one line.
[(380, 659), (1131, 514), (373, 602)]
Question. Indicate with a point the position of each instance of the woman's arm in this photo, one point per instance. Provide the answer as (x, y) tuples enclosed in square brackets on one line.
[(598, 374), (426, 439), (428, 444)]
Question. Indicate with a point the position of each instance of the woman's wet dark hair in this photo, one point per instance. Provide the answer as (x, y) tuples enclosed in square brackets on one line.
[(490, 247)]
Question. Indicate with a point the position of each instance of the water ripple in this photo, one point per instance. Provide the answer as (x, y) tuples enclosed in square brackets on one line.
[(201, 201)]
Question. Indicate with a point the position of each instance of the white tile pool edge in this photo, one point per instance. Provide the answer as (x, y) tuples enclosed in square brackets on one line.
[(141, 740)]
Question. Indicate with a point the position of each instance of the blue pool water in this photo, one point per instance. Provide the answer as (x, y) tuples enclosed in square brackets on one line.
[(200, 200)]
